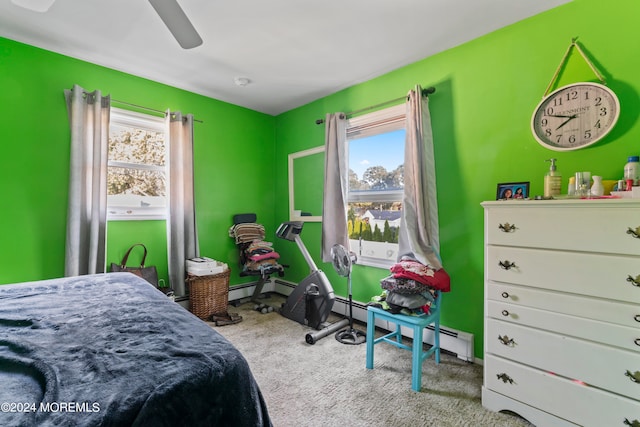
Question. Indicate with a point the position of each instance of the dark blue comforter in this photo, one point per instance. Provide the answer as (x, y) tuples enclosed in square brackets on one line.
[(111, 350)]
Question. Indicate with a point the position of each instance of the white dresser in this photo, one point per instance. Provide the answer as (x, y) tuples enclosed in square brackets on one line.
[(562, 311)]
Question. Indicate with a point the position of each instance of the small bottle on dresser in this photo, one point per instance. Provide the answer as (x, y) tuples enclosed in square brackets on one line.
[(571, 190), (552, 180), (632, 170)]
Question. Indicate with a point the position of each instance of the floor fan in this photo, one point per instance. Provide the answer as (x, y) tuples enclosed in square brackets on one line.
[(342, 262)]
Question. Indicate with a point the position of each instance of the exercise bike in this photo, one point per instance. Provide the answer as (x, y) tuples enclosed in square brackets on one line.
[(311, 301)]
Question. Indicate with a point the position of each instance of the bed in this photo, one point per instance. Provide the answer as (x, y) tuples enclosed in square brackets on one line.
[(111, 350)]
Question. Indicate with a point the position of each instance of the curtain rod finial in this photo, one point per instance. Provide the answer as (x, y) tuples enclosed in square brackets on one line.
[(319, 121), (429, 90)]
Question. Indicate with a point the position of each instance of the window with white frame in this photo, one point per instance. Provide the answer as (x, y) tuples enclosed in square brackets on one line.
[(376, 184), (137, 160)]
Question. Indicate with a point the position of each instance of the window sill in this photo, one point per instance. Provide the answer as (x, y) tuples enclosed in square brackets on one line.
[(374, 254), (376, 263), (135, 213), (136, 217)]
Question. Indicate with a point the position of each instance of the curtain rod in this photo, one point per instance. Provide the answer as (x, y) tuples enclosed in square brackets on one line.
[(147, 108), (425, 92)]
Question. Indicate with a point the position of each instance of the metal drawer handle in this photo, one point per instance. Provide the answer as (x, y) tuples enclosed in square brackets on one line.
[(637, 341), (505, 295), (505, 378), (637, 317), (505, 313), (634, 423), (506, 341), (633, 376), (635, 233), (509, 228), (507, 265), (635, 282)]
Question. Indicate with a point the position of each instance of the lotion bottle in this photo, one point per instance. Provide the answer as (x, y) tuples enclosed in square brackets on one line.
[(632, 169), (552, 180), (572, 186)]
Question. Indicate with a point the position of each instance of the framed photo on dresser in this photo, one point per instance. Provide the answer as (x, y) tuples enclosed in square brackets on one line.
[(512, 191)]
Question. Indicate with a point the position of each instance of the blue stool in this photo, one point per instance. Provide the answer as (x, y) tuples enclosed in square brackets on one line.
[(417, 324)]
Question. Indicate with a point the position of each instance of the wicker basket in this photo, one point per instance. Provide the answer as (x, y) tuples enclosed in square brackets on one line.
[(208, 295)]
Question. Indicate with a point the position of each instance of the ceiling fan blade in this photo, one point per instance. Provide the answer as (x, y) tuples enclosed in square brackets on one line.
[(35, 5), (178, 23)]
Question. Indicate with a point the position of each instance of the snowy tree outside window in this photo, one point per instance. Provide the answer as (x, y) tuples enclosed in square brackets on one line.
[(136, 176)]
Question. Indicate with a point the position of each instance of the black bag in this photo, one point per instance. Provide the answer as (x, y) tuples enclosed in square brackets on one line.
[(150, 274)]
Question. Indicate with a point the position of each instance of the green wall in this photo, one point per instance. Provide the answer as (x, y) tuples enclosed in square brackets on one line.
[(487, 90), (233, 146)]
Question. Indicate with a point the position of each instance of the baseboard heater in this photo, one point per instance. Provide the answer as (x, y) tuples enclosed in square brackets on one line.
[(455, 342)]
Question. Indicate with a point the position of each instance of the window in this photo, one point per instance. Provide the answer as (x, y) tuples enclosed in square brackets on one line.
[(136, 175), (376, 184)]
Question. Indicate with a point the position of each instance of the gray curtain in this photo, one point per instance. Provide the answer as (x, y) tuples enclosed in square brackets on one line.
[(182, 237), (87, 210), (336, 186), (419, 231)]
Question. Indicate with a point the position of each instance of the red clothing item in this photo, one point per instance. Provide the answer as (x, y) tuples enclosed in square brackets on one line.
[(408, 269), (268, 255)]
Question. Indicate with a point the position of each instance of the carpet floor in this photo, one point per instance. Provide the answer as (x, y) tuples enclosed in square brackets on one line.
[(327, 383)]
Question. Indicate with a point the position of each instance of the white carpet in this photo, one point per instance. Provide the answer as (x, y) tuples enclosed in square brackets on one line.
[(327, 384)]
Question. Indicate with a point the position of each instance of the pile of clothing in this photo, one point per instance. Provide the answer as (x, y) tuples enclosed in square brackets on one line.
[(257, 256), (261, 256), (411, 287)]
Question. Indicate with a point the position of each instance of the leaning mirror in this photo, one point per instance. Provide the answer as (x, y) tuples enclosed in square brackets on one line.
[(306, 182)]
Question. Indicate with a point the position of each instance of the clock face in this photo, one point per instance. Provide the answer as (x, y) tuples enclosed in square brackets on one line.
[(575, 116)]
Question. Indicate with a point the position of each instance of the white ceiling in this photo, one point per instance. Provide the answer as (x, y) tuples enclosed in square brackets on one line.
[(293, 51)]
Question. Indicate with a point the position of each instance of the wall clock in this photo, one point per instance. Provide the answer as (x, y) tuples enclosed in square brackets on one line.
[(575, 116)]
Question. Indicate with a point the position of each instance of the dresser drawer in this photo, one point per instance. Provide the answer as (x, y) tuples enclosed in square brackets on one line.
[(587, 307), (593, 330), (583, 405), (589, 228), (594, 364), (605, 276)]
